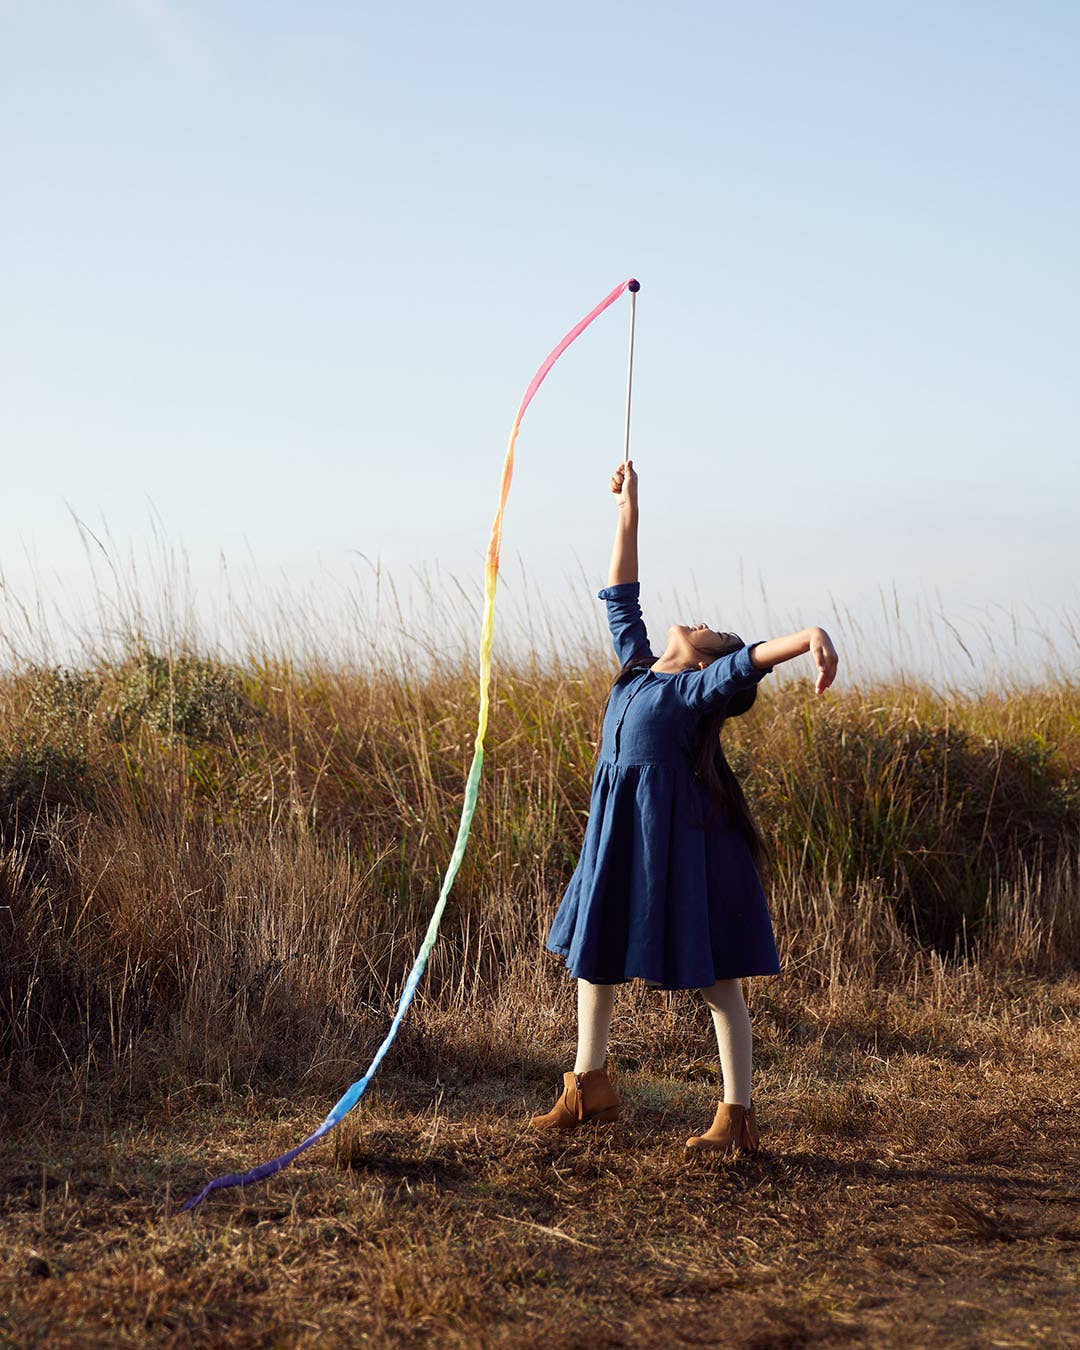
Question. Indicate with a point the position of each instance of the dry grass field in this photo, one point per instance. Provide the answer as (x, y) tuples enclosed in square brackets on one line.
[(213, 879)]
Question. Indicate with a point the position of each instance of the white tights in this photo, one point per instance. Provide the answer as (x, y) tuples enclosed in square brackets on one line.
[(730, 1019), (594, 1005)]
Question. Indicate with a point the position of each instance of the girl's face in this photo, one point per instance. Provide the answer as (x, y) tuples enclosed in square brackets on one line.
[(702, 644)]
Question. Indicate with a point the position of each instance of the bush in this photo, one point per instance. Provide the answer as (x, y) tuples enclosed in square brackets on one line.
[(183, 697), (35, 781), (936, 812)]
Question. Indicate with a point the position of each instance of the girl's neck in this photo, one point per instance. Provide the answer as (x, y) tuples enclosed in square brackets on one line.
[(673, 665)]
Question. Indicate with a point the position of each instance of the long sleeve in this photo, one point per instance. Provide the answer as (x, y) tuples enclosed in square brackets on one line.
[(727, 675), (624, 619)]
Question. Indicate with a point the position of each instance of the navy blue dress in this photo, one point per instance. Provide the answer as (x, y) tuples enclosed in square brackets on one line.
[(665, 889)]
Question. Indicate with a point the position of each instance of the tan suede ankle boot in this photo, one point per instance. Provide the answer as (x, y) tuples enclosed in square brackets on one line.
[(585, 1097), (733, 1131)]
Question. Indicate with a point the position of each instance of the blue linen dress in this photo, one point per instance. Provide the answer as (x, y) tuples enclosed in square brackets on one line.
[(665, 888)]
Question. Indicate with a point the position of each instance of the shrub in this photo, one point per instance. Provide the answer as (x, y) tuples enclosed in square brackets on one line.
[(183, 697)]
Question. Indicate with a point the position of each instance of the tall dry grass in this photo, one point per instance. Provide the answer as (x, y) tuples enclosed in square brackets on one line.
[(221, 871), (214, 873)]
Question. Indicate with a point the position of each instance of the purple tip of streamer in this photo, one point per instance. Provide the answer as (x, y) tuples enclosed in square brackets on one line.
[(633, 284), (260, 1173)]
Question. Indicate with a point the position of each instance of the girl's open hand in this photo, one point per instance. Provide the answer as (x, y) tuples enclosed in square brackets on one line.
[(825, 658), (624, 484)]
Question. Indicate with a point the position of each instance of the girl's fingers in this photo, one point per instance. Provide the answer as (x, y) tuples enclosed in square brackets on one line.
[(826, 663), (624, 478)]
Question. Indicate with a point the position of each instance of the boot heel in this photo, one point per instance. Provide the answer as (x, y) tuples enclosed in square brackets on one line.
[(609, 1113)]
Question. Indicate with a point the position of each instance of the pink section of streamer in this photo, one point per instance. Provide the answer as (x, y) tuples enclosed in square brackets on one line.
[(575, 332)]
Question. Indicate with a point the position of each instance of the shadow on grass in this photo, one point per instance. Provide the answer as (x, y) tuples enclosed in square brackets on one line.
[(788, 1167)]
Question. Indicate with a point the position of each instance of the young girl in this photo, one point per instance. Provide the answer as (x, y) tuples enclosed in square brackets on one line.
[(666, 888)]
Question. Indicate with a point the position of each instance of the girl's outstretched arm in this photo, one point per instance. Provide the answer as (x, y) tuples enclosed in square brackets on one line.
[(624, 560), (813, 640)]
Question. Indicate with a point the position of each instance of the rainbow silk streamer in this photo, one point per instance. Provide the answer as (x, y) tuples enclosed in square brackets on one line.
[(346, 1103)]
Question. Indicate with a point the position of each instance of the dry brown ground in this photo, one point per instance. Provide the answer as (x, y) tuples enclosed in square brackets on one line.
[(919, 1185)]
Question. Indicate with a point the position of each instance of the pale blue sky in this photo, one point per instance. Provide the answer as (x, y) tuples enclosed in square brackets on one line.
[(281, 272)]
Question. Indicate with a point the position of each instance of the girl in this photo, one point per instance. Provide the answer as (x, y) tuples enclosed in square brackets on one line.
[(666, 888)]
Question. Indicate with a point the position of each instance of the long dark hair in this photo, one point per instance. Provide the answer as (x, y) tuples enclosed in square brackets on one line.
[(716, 775), (710, 764)]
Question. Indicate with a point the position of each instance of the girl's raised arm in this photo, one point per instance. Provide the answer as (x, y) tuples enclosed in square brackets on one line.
[(624, 559), (813, 640)]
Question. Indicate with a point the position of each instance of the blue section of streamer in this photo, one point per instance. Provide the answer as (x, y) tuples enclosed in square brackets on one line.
[(345, 1103)]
